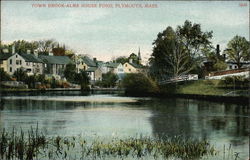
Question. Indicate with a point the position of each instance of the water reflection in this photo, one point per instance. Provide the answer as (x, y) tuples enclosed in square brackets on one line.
[(223, 124)]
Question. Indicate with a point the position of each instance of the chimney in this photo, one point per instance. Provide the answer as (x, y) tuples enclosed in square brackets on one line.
[(28, 51), (130, 60), (95, 61), (217, 49), (224, 57), (13, 49), (36, 52)]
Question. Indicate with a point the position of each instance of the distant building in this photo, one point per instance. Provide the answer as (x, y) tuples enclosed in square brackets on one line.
[(90, 66), (130, 67), (116, 68), (4, 61), (95, 74), (26, 61), (55, 65), (233, 65)]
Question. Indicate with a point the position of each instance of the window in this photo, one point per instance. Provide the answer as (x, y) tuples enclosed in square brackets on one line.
[(10, 61), (230, 67), (16, 56), (27, 63), (235, 67), (1, 62), (84, 68), (10, 69), (129, 69), (20, 62), (126, 65), (17, 62)]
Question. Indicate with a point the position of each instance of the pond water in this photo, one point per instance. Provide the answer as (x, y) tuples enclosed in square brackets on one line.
[(108, 115)]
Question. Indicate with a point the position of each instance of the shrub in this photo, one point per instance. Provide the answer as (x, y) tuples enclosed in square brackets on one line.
[(20, 75), (4, 76), (234, 81), (82, 78), (109, 80), (138, 83)]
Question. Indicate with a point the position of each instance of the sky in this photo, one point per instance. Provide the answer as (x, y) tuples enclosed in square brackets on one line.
[(106, 33)]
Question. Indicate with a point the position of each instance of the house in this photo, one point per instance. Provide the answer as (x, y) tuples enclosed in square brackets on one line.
[(130, 67), (95, 74), (4, 61), (103, 66), (116, 68), (233, 65), (84, 63), (28, 62), (55, 65)]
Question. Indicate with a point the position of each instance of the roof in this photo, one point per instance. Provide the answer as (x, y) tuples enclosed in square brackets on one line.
[(89, 61), (4, 56), (233, 62), (31, 58), (91, 69), (113, 65), (56, 59), (136, 65)]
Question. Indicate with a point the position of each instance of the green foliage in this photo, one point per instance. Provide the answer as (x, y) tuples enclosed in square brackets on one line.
[(234, 82), (82, 78), (200, 87), (219, 65), (34, 144), (20, 75), (41, 78), (178, 51), (4, 76), (238, 50), (70, 72), (108, 80), (121, 59), (134, 57), (138, 83), (30, 81)]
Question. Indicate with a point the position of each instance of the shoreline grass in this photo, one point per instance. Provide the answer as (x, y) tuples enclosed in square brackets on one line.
[(35, 145)]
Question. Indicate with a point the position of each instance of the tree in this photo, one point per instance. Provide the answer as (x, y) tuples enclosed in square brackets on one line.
[(238, 50), (178, 52), (20, 75), (44, 46), (70, 72), (121, 59), (82, 78), (139, 84), (217, 61), (109, 79), (4, 76), (21, 46)]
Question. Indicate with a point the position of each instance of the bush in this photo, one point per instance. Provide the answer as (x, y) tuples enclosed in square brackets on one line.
[(20, 75), (139, 84), (4, 76), (234, 81), (108, 80), (82, 78), (70, 72)]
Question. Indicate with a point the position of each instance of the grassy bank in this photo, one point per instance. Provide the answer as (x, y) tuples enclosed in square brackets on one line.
[(35, 145), (201, 87)]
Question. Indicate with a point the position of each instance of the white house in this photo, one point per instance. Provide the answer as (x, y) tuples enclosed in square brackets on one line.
[(116, 68), (28, 62)]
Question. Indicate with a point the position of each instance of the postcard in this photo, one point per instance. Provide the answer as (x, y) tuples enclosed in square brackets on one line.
[(124, 80)]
